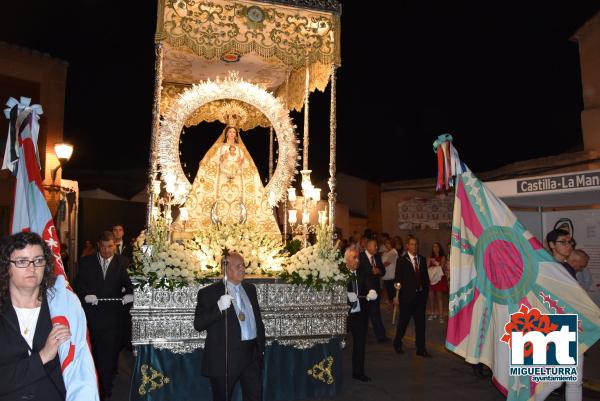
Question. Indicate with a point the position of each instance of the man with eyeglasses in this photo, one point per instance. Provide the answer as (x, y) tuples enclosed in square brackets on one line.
[(561, 245)]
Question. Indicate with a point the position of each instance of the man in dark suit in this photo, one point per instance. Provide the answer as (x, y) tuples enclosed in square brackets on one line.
[(101, 276), (360, 291), (411, 273), (371, 260), (126, 251), (121, 247), (234, 330)]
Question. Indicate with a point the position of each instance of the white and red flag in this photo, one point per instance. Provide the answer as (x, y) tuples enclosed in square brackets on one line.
[(31, 213)]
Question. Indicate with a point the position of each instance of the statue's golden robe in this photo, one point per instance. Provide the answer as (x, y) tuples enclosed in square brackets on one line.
[(228, 189)]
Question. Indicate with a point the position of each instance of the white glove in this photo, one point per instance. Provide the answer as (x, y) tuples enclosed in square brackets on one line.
[(224, 302), (91, 299), (352, 297), (372, 295), (127, 299)]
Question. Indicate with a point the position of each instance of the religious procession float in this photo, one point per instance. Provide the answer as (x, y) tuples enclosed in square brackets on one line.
[(245, 64)]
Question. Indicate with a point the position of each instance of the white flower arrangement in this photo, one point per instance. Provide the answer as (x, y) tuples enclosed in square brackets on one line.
[(317, 265), (163, 264), (262, 253)]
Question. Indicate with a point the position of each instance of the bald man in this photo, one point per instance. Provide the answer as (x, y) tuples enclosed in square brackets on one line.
[(237, 308), (360, 295)]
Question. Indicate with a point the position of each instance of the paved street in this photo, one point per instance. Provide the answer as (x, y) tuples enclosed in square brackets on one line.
[(445, 376)]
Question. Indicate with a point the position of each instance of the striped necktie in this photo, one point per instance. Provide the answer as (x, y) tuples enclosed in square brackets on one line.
[(104, 267), (417, 272)]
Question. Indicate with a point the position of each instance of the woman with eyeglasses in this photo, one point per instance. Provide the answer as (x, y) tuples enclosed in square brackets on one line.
[(28, 356)]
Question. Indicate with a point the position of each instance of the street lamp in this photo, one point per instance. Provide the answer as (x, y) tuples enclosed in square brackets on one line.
[(63, 152)]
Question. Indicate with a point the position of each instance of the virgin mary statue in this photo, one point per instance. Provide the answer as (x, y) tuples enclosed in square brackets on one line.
[(228, 189)]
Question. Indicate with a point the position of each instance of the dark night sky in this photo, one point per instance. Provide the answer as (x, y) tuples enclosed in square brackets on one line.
[(502, 77)]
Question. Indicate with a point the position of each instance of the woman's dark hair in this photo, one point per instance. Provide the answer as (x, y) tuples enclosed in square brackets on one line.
[(17, 242), (442, 253), (237, 133)]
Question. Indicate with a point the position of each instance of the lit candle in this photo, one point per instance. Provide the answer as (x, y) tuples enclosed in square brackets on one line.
[(307, 192), (316, 194), (322, 217), (305, 217), (292, 216), (292, 194), (170, 187), (306, 179), (183, 214), (169, 178), (156, 187)]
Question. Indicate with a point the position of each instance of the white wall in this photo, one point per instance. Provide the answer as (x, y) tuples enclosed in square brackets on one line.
[(352, 191), (533, 222), (586, 225)]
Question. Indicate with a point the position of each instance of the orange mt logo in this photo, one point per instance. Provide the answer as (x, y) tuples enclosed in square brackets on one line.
[(542, 346)]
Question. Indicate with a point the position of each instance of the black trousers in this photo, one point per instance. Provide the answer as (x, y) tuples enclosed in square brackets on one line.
[(106, 345), (389, 289), (414, 309), (248, 373), (127, 327), (375, 315), (357, 325)]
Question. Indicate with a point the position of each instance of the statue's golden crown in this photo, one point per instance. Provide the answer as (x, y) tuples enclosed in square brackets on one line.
[(233, 114)]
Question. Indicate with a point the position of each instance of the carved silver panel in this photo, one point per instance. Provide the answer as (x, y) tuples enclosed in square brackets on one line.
[(293, 315)]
